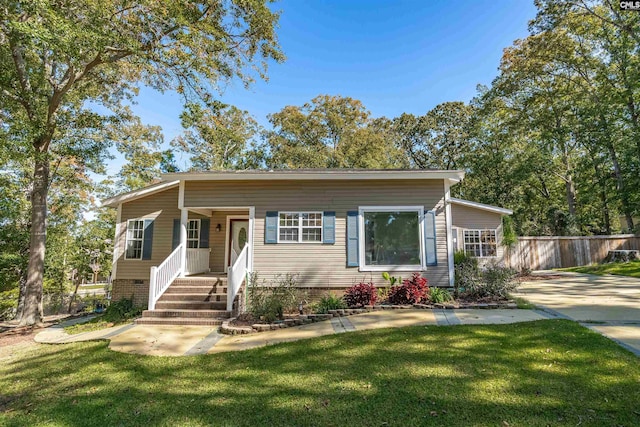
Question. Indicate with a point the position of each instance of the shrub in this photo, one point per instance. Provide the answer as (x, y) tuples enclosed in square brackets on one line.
[(269, 301), (8, 304), (466, 272), (329, 302), (121, 310), (439, 295), (360, 295), (495, 282), (412, 291)]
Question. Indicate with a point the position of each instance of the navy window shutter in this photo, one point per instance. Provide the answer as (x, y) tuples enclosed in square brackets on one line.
[(147, 239), (204, 233), (329, 228), (271, 227), (430, 238), (175, 241), (352, 239)]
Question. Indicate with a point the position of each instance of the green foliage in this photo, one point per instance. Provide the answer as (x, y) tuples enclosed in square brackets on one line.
[(66, 78), (495, 281), (439, 295), (466, 272), (269, 301), (116, 313), (438, 140), (220, 137), (509, 237), (329, 302), (8, 304), (330, 132), (121, 310)]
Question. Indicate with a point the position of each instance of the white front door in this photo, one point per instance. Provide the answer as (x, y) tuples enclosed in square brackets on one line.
[(238, 239)]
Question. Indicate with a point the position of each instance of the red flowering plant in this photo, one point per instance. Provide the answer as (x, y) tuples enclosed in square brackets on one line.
[(361, 294), (412, 291)]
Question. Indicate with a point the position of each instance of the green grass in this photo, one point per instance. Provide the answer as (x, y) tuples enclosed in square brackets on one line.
[(92, 287), (631, 269), (523, 303), (549, 372), (98, 322)]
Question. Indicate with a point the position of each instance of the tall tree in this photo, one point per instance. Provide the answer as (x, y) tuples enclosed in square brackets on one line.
[(330, 132), (437, 140), (58, 58), (219, 137)]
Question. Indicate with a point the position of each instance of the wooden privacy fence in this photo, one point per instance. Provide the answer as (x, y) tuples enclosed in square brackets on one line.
[(542, 253)]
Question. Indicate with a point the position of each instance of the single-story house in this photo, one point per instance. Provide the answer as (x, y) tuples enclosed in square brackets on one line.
[(188, 242)]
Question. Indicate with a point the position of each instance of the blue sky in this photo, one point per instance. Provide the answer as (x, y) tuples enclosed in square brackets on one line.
[(394, 56)]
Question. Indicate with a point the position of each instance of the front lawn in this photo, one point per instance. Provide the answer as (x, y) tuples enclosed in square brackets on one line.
[(550, 372), (631, 269)]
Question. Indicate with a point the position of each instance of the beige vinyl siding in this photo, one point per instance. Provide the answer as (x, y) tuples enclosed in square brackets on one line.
[(162, 208), (320, 265), (465, 217)]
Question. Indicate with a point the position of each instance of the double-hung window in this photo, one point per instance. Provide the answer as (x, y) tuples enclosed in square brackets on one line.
[(299, 227), (480, 243), (391, 238), (135, 239), (193, 234)]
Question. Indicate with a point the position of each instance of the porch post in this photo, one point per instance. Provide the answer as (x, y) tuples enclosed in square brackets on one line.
[(252, 221), (184, 218), (448, 220)]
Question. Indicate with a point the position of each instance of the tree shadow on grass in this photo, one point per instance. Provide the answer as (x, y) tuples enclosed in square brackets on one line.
[(537, 373)]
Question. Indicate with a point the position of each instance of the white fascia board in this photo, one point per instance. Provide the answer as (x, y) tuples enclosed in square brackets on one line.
[(136, 194), (315, 175), (481, 206)]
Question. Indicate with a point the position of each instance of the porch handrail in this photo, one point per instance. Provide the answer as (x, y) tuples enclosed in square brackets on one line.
[(236, 275), (163, 275)]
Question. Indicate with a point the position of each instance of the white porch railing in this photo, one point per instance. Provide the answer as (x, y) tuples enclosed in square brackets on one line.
[(163, 275), (236, 275), (197, 261)]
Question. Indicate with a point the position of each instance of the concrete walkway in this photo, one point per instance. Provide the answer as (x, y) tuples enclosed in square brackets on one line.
[(160, 340), (607, 304)]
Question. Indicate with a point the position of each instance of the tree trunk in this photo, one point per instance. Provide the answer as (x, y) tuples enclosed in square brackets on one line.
[(620, 184), (21, 294), (32, 313), (603, 196)]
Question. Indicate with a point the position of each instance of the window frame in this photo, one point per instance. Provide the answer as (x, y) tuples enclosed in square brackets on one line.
[(361, 239), (300, 227), (192, 239), (480, 242), (127, 239)]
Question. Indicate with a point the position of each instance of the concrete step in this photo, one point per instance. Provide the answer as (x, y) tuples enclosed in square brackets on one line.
[(211, 314), (204, 280), (185, 289), (202, 297), (191, 305), (178, 321)]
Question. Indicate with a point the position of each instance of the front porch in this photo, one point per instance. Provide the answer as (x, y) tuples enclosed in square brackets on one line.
[(211, 257)]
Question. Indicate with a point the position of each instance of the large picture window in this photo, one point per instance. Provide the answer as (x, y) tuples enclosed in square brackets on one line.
[(134, 240), (480, 243), (392, 238), (298, 227)]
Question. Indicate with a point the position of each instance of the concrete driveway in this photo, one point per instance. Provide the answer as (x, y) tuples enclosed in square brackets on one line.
[(607, 304)]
